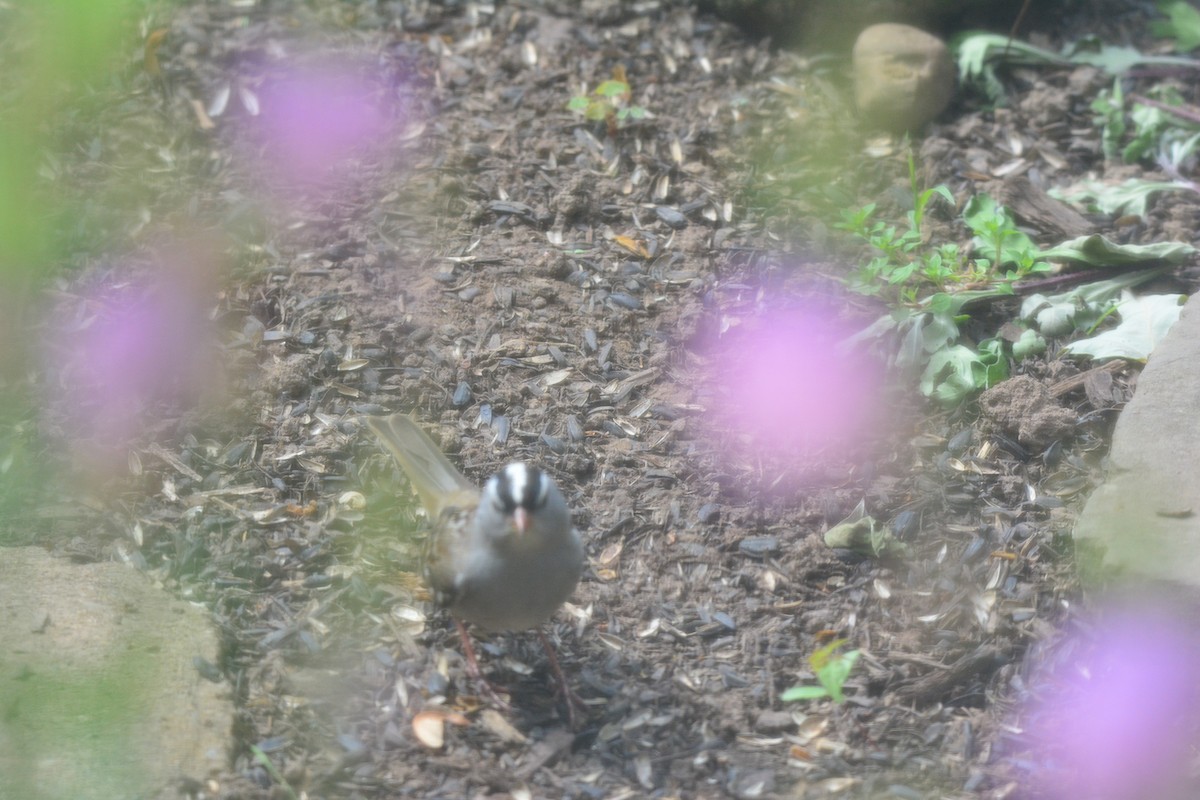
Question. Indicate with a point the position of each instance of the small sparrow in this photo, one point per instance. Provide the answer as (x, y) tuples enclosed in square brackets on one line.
[(504, 558)]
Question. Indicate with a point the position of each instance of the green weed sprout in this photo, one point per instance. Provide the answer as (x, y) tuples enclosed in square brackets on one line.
[(609, 102), (832, 670), (903, 264), (999, 242)]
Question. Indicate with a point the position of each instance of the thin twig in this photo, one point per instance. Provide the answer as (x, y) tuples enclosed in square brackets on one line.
[(1012, 34), (1190, 113)]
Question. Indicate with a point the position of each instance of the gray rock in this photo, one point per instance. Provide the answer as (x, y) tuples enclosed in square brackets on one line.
[(1145, 520), (100, 695), (903, 76)]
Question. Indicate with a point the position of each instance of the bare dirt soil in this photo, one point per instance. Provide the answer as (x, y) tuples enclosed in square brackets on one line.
[(534, 285)]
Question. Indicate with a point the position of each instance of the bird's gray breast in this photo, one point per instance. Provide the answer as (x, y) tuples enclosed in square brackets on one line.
[(501, 592)]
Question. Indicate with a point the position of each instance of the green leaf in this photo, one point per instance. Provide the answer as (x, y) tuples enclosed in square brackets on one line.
[(1126, 197), (943, 191), (982, 213), (1097, 251), (578, 103), (978, 54), (902, 274), (611, 89), (1144, 323), (834, 674), (859, 533), (803, 693), (1176, 147), (1109, 107), (1080, 307), (1182, 25), (597, 111), (994, 361), (821, 656), (958, 372), (1030, 344), (1119, 59), (1056, 320)]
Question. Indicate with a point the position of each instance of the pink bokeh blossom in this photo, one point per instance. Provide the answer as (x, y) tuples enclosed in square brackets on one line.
[(1119, 718), (788, 380), (313, 119), (123, 354)]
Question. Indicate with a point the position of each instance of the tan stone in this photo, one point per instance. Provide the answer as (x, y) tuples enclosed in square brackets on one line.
[(1144, 521), (99, 695), (903, 76)]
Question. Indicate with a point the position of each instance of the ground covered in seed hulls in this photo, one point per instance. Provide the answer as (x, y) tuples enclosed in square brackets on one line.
[(601, 299)]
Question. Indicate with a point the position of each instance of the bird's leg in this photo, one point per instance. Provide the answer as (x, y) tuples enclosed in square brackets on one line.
[(573, 701), (484, 686)]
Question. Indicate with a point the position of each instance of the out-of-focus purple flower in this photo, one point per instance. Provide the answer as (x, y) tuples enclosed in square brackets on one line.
[(1119, 719), (787, 379), (122, 353), (313, 118)]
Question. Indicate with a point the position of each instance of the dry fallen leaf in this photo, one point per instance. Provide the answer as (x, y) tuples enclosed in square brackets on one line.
[(430, 726), (430, 729), (495, 722), (632, 245), (150, 53)]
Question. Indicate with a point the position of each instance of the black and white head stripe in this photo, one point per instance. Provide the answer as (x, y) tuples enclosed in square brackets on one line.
[(520, 486)]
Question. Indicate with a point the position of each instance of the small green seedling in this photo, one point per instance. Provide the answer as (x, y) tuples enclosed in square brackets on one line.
[(1154, 127), (832, 670), (609, 102), (1000, 243), (263, 759)]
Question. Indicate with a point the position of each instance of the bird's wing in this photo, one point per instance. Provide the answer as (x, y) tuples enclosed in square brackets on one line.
[(435, 480), (447, 551)]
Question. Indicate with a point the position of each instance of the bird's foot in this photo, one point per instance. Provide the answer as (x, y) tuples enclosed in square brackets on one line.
[(487, 690), (574, 703)]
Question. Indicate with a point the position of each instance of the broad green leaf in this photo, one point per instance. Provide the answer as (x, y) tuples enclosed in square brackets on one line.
[(1182, 25), (1119, 59), (949, 375), (1100, 292), (1081, 307), (958, 372), (1127, 197), (978, 54), (1144, 323), (1097, 251), (912, 352), (975, 50), (1057, 319)]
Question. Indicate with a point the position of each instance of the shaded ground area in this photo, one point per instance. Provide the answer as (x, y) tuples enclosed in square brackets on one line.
[(532, 285)]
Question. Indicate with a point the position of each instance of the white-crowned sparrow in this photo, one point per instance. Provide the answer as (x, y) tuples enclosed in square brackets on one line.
[(504, 558)]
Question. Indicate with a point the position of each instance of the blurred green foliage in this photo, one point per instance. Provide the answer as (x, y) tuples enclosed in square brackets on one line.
[(53, 53)]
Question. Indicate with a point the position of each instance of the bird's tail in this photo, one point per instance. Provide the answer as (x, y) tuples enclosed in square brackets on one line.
[(432, 475)]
